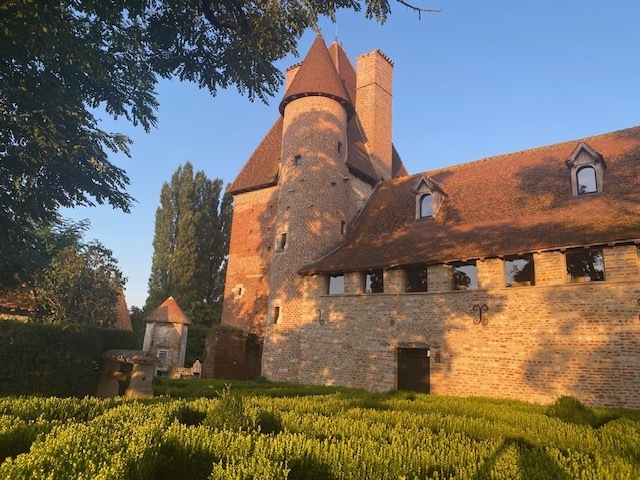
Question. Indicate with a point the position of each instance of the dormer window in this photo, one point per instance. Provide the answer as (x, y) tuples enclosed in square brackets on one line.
[(426, 205), (429, 197), (587, 181), (587, 170)]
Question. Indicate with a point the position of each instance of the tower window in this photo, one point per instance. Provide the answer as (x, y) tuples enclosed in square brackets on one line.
[(426, 206), (281, 242), (297, 160), (343, 227), (339, 147)]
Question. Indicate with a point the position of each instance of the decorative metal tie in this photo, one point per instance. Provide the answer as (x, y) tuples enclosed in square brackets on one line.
[(480, 319)]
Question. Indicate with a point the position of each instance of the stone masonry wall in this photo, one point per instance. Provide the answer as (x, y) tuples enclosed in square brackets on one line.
[(540, 342)]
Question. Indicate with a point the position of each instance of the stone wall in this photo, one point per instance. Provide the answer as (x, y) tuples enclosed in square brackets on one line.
[(540, 341)]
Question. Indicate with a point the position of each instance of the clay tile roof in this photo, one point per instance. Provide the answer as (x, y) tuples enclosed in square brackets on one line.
[(357, 157), (123, 319), (344, 68), (261, 170), (168, 312), (509, 204), (318, 76), (397, 167)]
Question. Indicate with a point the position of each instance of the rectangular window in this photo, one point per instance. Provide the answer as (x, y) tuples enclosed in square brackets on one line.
[(520, 271), (163, 358), (465, 275), (339, 147), (275, 314), (297, 160), (373, 281), (585, 265), (343, 227), (415, 279), (282, 241), (336, 285)]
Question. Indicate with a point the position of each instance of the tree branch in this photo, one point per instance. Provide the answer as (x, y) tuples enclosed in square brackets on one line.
[(418, 9)]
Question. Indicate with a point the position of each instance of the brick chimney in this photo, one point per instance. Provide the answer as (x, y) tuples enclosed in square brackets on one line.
[(373, 106)]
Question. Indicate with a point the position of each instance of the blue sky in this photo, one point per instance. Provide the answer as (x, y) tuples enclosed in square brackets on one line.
[(476, 80)]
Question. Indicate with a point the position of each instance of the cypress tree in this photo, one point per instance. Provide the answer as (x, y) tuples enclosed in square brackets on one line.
[(190, 245)]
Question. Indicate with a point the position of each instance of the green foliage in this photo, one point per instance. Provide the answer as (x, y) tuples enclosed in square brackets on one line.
[(345, 435), (571, 410), (61, 60), (196, 341), (55, 360), (77, 282), (190, 245), (331, 435)]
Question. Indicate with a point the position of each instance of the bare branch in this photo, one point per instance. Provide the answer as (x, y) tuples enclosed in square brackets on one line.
[(418, 9)]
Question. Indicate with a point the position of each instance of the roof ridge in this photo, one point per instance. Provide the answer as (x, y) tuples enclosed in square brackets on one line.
[(528, 150)]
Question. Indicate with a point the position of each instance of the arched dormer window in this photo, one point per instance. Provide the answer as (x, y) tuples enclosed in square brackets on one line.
[(587, 180), (587, 170), (426, 205), (429, 197)]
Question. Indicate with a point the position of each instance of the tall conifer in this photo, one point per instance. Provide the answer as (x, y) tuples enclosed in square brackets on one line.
[(190, 244)]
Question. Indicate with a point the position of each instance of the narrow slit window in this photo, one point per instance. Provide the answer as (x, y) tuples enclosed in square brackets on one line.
[(282, 241), (275, 314), (343, 227), (297, 160), (339, 147)]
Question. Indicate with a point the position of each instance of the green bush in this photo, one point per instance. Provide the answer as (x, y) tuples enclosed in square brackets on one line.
[(338, 435), (571, 410), (55, 360)]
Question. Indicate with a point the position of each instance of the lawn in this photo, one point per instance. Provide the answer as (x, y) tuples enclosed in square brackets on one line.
[(259, 430)]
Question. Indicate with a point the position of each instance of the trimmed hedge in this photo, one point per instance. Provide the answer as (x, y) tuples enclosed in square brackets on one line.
[(55, 360)]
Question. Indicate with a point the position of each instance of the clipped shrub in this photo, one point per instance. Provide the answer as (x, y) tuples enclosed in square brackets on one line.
[(571, 410), (268, 422), (55, 360)]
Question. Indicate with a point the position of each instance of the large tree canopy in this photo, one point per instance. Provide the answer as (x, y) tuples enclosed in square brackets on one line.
[(190, 244), (61, 59)]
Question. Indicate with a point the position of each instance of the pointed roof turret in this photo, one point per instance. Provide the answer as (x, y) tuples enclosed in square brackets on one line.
[(318, 76), (168, 312)]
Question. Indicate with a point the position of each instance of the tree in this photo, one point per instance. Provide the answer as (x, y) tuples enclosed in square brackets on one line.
[(61, 59), (81, 282), (190, 244)]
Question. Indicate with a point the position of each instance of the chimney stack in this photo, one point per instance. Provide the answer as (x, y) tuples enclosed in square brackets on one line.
[(373, 106)]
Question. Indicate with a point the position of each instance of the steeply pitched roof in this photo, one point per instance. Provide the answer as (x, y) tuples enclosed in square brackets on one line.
[(168, 312), (318, 76), (123, 319), (261, 170), (344, 68), (515, 203)]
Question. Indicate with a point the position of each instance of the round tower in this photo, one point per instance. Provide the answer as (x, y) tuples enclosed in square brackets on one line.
[(313, 204)]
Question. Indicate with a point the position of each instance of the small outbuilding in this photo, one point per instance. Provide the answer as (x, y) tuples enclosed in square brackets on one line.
[(166, 334)]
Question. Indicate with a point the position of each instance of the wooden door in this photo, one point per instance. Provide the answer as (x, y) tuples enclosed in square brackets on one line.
[(413, 369)]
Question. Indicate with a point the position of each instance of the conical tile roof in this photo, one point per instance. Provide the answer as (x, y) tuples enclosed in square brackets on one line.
[(168, 312), (318, 76)]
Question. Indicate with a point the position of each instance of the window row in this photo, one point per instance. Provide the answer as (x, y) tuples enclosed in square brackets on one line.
[(582, 266)]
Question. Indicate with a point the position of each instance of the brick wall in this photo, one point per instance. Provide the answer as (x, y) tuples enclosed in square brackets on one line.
[(250, 252), (540, 342), (374, 107)]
